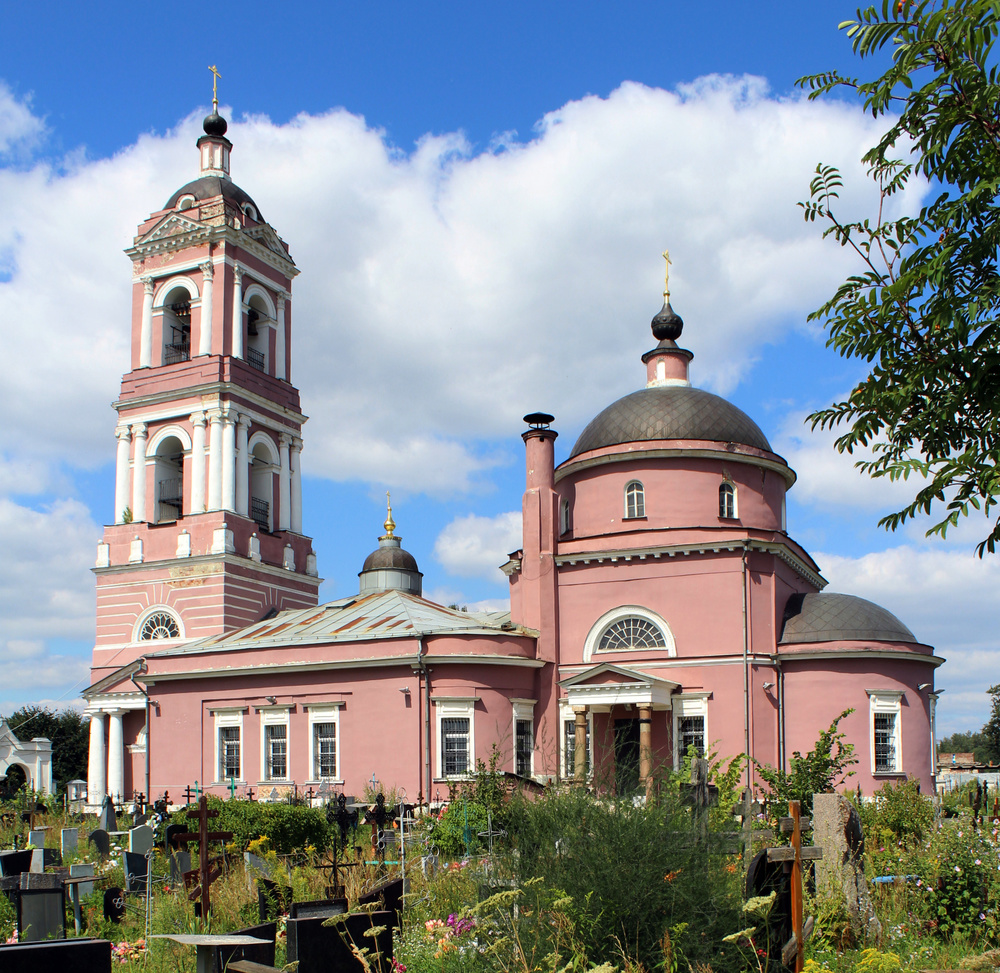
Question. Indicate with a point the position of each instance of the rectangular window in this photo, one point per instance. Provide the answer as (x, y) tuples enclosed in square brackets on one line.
[(885, 715), (276, 751), (569, 749), (524, 744), (229, 752), (324, 751), (691, 731), (690, 725), (885, 742), (455, 745)]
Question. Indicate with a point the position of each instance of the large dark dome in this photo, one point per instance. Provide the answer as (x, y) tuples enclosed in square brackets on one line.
[(390, 557), (832, 617), (670, 412), (209, 186)]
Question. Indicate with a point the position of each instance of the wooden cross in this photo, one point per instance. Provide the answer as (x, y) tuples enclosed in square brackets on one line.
[(796, 854), (208, 873), (747, 811)]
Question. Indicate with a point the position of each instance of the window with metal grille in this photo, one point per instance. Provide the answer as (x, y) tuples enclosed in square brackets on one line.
[(569, 748), (885, 742), (275, 751), (455, 745), (159, 625), (229, 752), (631, 633), (727, 501), (524, 743), (635, 500), (325, 750), (690, 731)]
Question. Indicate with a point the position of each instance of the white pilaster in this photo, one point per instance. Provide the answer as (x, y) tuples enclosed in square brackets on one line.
[(205, 339), (243, 467), (279, 339), (95, 764), (198, 463), (284, 484), (237, 351), (139, 435), (146, 331), (215, 461), (116, 756), (229, 461), (296, 518), (121, 473)]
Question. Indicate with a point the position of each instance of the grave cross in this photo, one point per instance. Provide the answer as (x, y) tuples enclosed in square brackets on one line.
[(747, 811), (796, 855), (188, 794), (208, 872), (232, 787)]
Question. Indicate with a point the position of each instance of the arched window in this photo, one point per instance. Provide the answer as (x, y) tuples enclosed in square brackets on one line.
[(263, 466), (727, 501), (635, 500), (259, 320), (159, 624), (169, 480), (564, 516), (631, 632), (176, 326)]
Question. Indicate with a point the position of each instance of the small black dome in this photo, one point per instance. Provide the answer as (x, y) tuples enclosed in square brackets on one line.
[(215, 124), (390, 557), (832, 617), (667, 325), (670, 412)]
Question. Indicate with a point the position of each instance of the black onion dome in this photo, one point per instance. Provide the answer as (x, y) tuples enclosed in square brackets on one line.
[(831, 617), (207, 187), (667, 325), (215, 124), (390, 557), (670, 412)]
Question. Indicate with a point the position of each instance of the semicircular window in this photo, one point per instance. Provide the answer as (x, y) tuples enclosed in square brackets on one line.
[(159, 625), (631, 633)]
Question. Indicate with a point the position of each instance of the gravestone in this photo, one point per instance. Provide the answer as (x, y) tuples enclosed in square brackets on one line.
[(14, 862), (323, 908), (764, 877), (840, 873), (36, 837), (273, 899), (389, 895), (37, 861), (79, 870), (180, 862), (321, 945), (51, 857), (256, 864), (170, 835), (140, 840), (114, 905), (56, 956), (68, 839), (41, 908), (262, 953), (107, 820), (136, 869), (101, 841)]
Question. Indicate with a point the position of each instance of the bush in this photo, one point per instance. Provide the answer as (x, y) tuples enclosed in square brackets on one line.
[(898, 812), (456, 834)]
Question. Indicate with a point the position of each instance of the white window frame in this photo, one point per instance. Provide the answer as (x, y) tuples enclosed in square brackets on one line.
[(147, 614), (226, 718), (523, 711), (732, 493), (688, 705), (566, 715), (886, 702), (590, 645), (455, 707), (275, 716), (564, 516), (325, 713), (640, 505)]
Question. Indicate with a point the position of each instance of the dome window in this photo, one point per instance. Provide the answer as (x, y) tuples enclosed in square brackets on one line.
[(635, 501), (631, 632), (159, 625), (250, 211), (727, 501), (185, 202)]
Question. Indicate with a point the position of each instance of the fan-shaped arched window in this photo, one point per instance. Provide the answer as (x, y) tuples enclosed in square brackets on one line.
[(727, 501), (159, 625), (631, 632), (635, 500)]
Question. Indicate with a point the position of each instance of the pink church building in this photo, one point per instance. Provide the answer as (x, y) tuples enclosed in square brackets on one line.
[(657, 601)]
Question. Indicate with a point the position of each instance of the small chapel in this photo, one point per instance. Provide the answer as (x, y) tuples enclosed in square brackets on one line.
[(658, 601)]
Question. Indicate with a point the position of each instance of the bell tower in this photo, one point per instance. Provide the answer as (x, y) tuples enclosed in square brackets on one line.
[(206, 533)]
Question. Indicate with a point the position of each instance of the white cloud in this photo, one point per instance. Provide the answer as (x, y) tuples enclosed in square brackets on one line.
[(20, 130), (474, 546), (948, 599), (451, 596)]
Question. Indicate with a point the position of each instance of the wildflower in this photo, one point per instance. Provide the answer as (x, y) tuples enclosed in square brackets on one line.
[(958, 871), (978, 862)]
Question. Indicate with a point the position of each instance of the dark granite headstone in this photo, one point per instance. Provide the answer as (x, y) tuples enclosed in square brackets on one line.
[(41, 908), (262, 953), (14, 862), (324, 908), (101, 841), (57, 956), (114, 905), (319, 948), (51, 857), (763, 878), (172, 830), (388, 894), (107, 819), (273, 899), (180, 862), (136, 868)]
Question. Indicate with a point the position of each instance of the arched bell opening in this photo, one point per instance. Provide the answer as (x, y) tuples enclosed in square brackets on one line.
[(176, 327), (169, 480), (262, 468)]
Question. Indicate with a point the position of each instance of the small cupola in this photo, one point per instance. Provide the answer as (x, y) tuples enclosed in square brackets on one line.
[(667, 364), (389, 567), (213, 145)]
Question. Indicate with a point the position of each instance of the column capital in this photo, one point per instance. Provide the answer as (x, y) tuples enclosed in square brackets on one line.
[(296, 444), (237, 272), (229, 415), (245, 420), (139, 430), (208, 269), (282, 297), (123, 432), (198, 418), (214, 415), (148, 285), (285, 438)]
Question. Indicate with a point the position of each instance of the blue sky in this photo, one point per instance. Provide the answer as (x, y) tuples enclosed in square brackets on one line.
[(477, 197)]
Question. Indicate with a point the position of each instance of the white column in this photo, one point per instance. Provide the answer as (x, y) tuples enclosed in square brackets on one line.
[(139, 472), (205, 339), (146, 332), (116, 756), (237, 351), (284, 484), (296, 518), (198, 463), (242, 467), (95, 764), (279, 339), (215, 461), (121, 473), (229, 461)]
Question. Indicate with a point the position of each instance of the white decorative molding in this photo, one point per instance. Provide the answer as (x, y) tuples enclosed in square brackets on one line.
[(183, 544), (223, 541), (135, 551), (103, 555), (288, 559)]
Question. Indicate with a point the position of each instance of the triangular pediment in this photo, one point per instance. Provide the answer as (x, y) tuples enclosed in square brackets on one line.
[(610, 685), (608, 674), (264, 234), (170, 226)]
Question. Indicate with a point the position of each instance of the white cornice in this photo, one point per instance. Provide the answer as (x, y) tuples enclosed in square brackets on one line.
[(234, 560), (216, 391), (897, 655)]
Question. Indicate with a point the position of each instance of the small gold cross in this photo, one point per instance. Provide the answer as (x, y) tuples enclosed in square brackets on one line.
[(215, 87), (666, 275)]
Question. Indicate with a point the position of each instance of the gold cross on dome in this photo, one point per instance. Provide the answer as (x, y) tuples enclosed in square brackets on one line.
[(666, 274), (215, 87)]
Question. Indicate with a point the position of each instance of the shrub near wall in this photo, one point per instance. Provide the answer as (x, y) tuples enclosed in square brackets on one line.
[(287, 827)]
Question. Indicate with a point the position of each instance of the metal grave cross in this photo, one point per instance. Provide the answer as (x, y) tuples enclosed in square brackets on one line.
[(207, 870)]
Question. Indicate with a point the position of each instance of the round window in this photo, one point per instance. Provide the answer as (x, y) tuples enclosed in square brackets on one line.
[(631, 633), (159, 625)]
